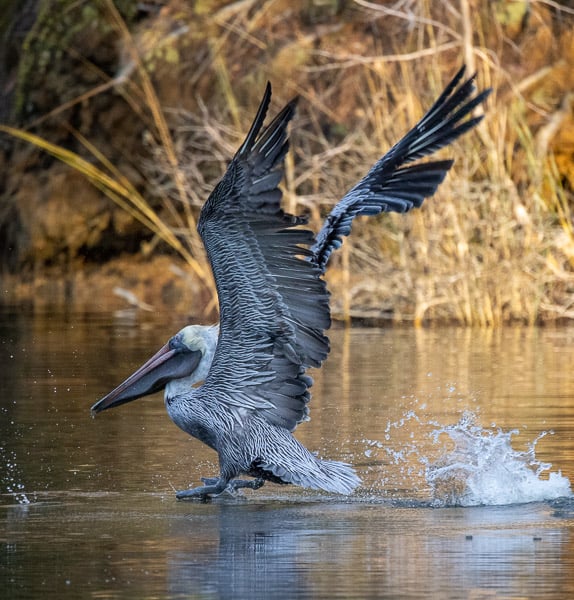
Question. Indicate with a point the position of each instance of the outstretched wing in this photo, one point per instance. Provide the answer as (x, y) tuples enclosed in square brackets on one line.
[(274, 307), (394, 185)]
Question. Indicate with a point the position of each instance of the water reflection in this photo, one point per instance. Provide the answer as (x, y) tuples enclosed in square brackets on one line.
[(103, 521), (143, 546), (254, 554)]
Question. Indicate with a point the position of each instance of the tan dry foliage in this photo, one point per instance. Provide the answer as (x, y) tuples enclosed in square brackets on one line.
[(495, 244)]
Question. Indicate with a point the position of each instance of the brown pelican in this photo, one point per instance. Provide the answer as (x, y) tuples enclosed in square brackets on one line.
[(274, 305)]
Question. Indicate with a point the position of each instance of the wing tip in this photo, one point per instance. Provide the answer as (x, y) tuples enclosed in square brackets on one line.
[(257, 121)]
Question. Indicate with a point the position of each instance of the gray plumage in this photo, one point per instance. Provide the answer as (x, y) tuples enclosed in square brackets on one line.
[(274, 305)]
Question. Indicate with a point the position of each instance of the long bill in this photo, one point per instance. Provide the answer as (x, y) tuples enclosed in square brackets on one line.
[(165, 365)]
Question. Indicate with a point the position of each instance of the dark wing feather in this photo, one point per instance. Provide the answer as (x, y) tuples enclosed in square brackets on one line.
[(274, 307), (393, 184)]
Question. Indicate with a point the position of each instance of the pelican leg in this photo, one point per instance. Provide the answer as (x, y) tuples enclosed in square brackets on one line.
[(209, 480), (253, 484), (214, 486), (235, 484)]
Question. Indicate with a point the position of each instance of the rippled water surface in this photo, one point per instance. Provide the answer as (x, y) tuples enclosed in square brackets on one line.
[(464, 440)]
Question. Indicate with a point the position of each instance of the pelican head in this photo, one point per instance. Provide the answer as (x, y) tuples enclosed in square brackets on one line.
[(181, 363)]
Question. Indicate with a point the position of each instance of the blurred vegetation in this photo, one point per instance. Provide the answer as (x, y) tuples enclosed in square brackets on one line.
[(159, 99)]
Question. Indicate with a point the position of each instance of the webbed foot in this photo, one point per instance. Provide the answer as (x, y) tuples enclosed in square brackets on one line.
[(214, 486), (203, 492)]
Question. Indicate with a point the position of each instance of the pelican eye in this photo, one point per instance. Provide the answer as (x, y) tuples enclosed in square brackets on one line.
[(175, 343)]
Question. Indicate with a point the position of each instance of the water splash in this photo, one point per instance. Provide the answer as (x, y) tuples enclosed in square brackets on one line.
[(467, 464), (480, 466), (11, 480)]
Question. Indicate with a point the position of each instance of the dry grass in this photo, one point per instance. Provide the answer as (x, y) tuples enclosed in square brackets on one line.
[(488, 249), (495, 245)]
